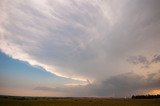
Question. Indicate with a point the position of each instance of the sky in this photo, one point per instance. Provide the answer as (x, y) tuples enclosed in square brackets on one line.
[(108, 48)]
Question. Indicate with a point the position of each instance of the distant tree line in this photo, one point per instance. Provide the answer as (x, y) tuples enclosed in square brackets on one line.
[(146, 96)]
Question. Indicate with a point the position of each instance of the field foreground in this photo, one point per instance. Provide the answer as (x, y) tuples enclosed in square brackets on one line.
[(30, 101)]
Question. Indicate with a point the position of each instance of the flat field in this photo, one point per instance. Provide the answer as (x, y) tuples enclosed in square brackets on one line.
[(21, 101)]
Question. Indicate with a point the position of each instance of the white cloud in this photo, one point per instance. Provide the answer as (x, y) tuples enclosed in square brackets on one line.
[(80, 40)]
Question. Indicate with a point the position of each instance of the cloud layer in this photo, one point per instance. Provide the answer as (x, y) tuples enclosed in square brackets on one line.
[(122, 85), (84, 40)]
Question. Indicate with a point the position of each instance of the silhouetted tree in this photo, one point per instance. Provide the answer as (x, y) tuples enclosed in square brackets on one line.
[(146, 96)]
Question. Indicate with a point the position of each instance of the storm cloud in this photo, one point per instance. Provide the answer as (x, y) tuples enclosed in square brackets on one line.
[(89, 40), (122, 85)]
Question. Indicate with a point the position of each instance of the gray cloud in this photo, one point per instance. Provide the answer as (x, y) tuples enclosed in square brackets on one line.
[(144, 61), (127, 84), (138, 59), (48, 89), (156, 59)]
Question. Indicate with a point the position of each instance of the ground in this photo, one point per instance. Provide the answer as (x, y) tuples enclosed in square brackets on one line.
[(22, 101)]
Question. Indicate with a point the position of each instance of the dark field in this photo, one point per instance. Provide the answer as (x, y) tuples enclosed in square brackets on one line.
[(30, 101)]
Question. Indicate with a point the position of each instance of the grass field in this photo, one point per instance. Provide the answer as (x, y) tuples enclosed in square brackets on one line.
[(77, 102)]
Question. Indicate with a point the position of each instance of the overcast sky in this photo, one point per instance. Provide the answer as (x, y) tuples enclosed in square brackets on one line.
[(91, 47)]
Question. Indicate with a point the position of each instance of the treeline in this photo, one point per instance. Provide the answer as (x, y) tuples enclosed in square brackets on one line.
[(146, 96)]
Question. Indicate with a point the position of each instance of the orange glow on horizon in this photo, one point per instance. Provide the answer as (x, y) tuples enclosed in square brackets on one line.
[(154, 92)]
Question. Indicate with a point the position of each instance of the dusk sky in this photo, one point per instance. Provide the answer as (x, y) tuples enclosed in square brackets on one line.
[(78, 48)]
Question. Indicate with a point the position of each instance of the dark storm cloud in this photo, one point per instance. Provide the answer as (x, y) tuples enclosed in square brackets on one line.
[(128, 84)]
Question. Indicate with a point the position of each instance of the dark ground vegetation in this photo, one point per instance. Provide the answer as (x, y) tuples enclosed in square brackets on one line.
[(52, 101)]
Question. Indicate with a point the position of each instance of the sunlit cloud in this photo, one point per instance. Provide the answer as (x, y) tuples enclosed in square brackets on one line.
[(154, 92)]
